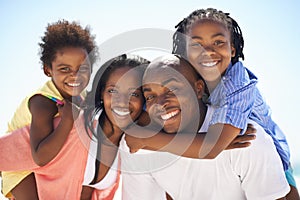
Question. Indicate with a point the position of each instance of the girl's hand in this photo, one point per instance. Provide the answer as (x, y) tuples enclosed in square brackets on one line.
[(68, 111), (134, 143), (242, 141)]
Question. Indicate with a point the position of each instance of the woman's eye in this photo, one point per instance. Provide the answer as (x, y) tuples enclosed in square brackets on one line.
[(112, 91), (172, 90)]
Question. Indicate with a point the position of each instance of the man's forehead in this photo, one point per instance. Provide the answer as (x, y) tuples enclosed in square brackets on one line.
[(161, 74)]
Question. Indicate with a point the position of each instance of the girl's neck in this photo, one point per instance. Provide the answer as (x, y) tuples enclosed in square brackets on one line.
[(211, 85)]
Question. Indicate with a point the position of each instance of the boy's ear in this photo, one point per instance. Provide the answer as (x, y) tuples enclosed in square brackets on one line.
[(47, 71), (200, 88)]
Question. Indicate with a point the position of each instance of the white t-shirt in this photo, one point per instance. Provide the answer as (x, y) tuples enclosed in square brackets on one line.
[(254, 172)]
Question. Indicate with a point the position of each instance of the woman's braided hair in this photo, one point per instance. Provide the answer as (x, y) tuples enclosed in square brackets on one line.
[(182, 28)]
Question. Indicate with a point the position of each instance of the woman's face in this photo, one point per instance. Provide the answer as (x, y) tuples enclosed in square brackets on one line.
[(122, 96)]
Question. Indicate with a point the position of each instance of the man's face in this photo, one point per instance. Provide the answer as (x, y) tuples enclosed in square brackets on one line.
[(170, 97)]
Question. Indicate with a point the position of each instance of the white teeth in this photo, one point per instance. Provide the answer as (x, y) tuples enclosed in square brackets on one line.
[(73, 84), (169, 115), (121, 113), (210, 64)]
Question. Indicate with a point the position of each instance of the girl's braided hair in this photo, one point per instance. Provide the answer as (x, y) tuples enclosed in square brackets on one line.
[(182, 28)]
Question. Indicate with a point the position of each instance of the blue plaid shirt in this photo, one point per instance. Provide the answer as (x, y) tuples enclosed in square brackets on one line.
[(237, 98)]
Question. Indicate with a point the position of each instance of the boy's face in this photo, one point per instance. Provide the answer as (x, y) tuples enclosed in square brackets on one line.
[(71, 71), (122, 96), (170, 96), (209, 48)]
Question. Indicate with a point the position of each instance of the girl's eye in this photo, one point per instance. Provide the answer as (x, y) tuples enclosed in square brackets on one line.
[(65, 69), (195, 44), (84, 68), (219, 43)]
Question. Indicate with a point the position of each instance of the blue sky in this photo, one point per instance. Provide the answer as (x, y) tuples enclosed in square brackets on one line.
[(271, 31)]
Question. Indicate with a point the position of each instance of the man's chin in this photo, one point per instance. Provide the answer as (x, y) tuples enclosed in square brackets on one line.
[(170, 130)]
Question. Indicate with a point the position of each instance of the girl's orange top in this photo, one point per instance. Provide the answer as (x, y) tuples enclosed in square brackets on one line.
[(61, 178)]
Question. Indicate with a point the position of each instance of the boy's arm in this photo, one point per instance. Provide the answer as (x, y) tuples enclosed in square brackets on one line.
[(45, 140)]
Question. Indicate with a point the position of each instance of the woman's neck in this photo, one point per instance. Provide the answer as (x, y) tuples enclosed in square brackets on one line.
[(112, 132)]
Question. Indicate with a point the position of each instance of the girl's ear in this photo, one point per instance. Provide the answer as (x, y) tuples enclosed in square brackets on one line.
[(232, 51), (200, 88), (47, 71)]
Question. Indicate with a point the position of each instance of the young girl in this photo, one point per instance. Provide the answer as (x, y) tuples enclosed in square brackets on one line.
[(68, 52), (213, 43), (116, 90)]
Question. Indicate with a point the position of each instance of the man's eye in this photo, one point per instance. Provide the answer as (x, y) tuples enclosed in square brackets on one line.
[(149, 97), (134, 94)]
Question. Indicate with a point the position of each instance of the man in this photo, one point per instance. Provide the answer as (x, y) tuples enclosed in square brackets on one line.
[(173, 92)]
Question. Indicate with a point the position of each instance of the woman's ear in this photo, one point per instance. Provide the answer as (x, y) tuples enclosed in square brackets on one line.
[(47, 71), (200, 88)]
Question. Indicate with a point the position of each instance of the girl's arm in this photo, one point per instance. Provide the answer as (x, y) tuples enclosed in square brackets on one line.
[(205, 146), (45, 141)]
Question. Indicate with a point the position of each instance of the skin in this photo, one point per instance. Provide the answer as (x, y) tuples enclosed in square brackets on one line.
[(162, 95), (209, 50), (177, 86), (70, 73), (123, 103)]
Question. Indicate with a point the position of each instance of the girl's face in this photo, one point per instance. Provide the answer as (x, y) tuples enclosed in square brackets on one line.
[(209, 48), (122, 96), (70, 71)]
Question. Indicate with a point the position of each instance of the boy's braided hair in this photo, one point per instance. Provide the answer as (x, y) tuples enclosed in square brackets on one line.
[(179, 37)]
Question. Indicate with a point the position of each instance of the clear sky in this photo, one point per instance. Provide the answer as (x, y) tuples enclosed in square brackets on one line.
[(269, 27)]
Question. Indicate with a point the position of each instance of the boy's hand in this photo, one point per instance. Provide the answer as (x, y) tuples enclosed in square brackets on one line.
[(242, 141)]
